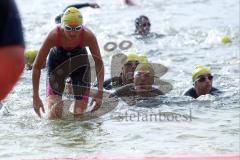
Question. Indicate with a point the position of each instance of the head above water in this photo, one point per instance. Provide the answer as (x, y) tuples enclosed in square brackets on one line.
[(30, 55), (142, 25), (130, 61), (202, 80), (144, 77), (145, 68), (72, 16)]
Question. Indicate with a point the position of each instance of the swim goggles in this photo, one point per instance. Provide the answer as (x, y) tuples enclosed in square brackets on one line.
[(131, 63), (68, 28), (204, 78)]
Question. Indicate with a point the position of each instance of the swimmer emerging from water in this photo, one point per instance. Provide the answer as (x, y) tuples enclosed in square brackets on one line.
[(67, 57), (78, 6), (202, 82)]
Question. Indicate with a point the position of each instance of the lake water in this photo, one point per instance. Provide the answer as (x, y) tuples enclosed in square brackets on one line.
[(193, 31)]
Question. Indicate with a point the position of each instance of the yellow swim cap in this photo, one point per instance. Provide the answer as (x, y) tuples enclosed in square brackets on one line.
[(145, 67), (130, 56), (226, 39), (30, 55), (143, 59), (200, 70), (72, 16)]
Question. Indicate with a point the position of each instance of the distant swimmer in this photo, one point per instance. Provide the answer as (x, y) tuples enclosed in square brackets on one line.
[(128, 66), (11, 46), (202, 82), (68, 57), (30, 56), (141, 87), (82, 5), (143, 27)]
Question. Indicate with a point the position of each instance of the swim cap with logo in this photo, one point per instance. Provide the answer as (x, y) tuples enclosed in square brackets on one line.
[(200, 70), (72, 16)]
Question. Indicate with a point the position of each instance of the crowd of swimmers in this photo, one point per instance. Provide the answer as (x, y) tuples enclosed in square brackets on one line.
[(64, 54)]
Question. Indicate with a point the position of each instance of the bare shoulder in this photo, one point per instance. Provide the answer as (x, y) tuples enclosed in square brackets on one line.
[(87, 30), (50, 39), (52, 34), (88, 34)]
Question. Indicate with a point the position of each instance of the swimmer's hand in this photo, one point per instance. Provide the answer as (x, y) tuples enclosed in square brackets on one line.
[(37, 104), (94, 5), (97, 101)]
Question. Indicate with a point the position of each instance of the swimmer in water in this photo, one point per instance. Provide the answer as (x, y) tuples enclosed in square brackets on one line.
[(202, 83), (129, 64), (142, 85), (143, 27)]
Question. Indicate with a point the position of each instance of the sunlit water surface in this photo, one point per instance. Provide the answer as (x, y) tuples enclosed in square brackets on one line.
[(193, 31)]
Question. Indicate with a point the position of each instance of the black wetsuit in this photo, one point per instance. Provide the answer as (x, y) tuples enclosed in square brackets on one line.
[(63, 63), (112, 83), (129, 95), (10, 24), (129, 90), (58, 18), (192, 92)]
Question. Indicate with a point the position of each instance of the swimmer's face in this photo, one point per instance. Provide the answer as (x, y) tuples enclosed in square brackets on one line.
[(128, 71), (143, 80), (143, 27), (72, 31), (203, 84)]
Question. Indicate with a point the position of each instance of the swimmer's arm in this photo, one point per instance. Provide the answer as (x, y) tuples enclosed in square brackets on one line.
[(107, 84), (91, 41), (78, 6), (92, 5), (40, 61), (82, 5)]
